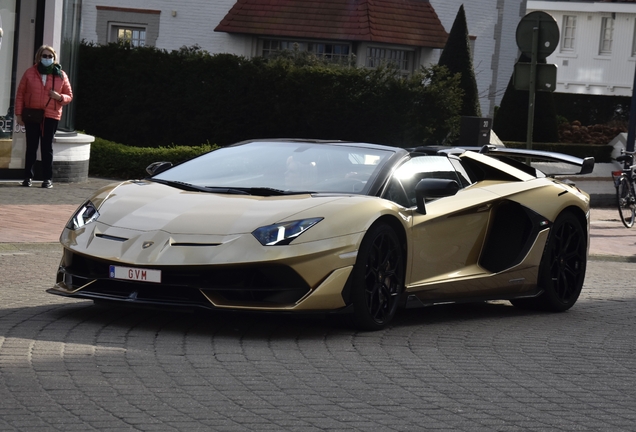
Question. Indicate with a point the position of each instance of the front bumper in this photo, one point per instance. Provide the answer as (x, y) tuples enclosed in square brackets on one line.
[(265, 287)]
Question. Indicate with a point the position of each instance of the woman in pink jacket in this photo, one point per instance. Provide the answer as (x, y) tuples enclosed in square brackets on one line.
[(43, 86)]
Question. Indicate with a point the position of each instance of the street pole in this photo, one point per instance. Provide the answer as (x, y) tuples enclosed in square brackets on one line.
[(629, 145), (531, 90)]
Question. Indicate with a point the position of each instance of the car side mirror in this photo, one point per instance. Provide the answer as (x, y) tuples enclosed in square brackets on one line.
[(433, 188), (158, 167)]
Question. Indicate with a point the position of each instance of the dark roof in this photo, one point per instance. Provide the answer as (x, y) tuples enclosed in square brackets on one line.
[(404, 22)]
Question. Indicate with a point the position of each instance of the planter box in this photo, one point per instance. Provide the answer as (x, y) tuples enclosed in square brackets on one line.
[(71, 154)]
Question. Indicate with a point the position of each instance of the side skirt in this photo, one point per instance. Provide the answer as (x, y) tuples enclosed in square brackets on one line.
[(413, 302)]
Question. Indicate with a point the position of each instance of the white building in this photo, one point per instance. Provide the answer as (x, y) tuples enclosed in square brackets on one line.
[(596, 53), (171, 25)]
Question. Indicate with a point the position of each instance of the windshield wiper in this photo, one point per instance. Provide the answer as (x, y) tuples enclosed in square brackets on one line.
[(194, 188), (266, 191), (179, 185), (258, 191)]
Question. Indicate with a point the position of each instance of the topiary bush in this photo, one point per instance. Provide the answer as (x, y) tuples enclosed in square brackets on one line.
[(457, 58), (511, 118)]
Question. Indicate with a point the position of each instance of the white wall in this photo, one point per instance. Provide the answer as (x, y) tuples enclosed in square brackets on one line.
[(493, 23), (584, 70), (193, 23)]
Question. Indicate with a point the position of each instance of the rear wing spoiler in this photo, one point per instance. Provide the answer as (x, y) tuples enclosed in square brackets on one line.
[(586, 165)]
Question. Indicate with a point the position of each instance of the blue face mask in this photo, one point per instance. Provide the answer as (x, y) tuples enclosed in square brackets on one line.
[(46, 62)]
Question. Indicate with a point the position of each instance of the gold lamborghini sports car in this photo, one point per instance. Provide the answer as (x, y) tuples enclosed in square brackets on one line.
[(329, 226)]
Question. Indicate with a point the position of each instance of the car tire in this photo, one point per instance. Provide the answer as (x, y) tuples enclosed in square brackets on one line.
[(377, 278), (562, 268)]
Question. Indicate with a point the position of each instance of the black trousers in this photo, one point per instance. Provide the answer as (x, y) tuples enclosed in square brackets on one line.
[(40, 135)]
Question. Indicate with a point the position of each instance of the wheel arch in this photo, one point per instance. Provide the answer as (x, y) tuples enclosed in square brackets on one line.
[(578, 212), (562, 270), (395, 224), (582, 217)]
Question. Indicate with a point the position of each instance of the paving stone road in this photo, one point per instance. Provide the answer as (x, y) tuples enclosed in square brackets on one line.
[(69, 365)]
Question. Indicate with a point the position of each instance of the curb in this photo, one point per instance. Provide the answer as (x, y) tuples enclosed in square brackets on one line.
[(612, 258)]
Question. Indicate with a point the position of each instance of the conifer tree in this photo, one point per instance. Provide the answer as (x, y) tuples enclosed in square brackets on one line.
[(511, 119), (457, 58)]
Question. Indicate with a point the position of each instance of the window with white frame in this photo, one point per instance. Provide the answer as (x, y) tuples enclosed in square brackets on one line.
[(135, 36), (331, 51), (568, 34), (138, 27), (607, 35), (401, 59), (271, 46)]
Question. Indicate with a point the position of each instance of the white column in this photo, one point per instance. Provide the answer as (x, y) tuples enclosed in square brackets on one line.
[(53, 24)]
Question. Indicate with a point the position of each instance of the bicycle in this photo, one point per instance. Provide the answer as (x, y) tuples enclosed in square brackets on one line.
[(624, 183)]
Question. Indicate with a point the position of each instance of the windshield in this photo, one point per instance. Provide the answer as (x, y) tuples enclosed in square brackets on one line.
[(283, 166)]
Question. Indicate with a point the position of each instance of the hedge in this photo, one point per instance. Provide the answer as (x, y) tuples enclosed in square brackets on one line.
[(119, 161), (592, 109), (149, 97)]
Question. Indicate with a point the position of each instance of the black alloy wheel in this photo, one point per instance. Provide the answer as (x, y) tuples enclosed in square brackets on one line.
[(378, 278), (562, 269)]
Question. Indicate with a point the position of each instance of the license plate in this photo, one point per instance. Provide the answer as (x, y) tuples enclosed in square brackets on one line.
[(135, 274)]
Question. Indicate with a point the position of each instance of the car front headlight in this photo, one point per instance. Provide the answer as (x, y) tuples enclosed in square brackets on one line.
[(283, 233), (84, 215)]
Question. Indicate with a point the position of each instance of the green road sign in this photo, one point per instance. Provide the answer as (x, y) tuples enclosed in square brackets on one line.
[(548, 34), (545, 79)]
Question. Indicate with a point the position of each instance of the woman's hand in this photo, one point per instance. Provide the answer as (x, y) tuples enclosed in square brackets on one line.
[(18, 119), (55, 95)]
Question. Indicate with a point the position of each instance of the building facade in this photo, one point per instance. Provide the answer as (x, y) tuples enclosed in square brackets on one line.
[(596, 53)]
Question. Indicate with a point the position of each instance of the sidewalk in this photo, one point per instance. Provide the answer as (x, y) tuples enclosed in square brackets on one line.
[(609, 239), (36, 215)]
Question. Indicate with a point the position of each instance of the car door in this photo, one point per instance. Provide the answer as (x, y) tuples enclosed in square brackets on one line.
[(445, 243)]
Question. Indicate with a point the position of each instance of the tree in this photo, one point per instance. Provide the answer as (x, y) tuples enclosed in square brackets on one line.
[(511, 119), (457, 58)]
